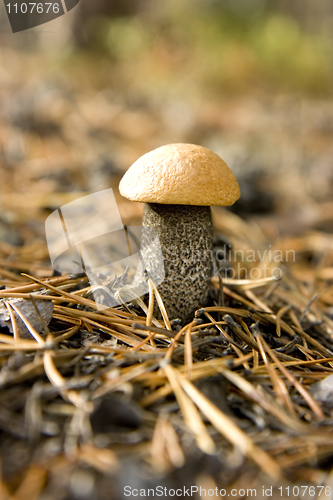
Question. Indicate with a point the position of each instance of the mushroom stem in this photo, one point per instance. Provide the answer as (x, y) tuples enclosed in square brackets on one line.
[(186, 237)]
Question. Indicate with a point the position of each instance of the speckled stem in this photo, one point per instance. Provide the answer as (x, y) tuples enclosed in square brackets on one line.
[(186, 238)]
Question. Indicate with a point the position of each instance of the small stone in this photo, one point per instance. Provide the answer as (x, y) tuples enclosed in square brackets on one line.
[(45, 308)]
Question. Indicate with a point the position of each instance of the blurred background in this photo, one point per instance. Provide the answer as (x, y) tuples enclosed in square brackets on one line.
[(82, 97)]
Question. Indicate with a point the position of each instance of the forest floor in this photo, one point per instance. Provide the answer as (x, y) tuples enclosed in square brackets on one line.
[(95, 401)]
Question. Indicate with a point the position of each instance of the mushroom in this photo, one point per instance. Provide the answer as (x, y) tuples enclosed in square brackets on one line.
[(178, 184)]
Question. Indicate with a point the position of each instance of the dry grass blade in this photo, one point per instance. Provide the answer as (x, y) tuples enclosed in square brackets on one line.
[(35, 368), (18, 344), (16, 334), (279, 315), (141, 304), (150, 311), (228, 338), (31, 485), (80, 300), (40, 317), (241, 334), (263, 400), (105, 461), (302, 363), (278, 384), (199, 370), (166, 451), (113, 383), (58, 381), (259, 303), (27, 323), (254, 351), (298, 329), (67, 335), (17, 295), (305, 455), (31, 287), (176, 338), (246, 283), (230, 431), (191, 415), (160, 332), (150, 339), (127, 337), (307, 307), (97, 316), (161, 306), (300, 388), (188, 350), (52, 373), (11, 276)]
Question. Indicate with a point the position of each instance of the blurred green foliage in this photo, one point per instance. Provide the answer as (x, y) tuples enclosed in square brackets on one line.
[(216, 47)]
